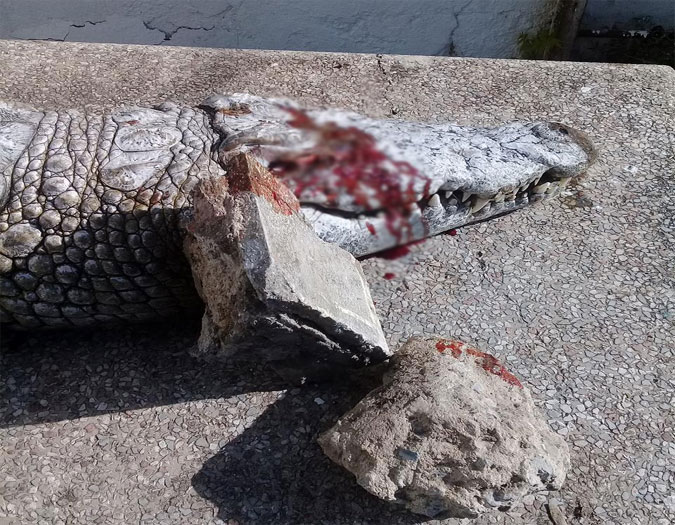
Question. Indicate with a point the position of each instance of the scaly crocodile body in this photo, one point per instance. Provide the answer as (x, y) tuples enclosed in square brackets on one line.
[(92, 205)]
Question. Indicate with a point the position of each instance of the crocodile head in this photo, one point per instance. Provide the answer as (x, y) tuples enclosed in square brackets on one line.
[(368, 185)]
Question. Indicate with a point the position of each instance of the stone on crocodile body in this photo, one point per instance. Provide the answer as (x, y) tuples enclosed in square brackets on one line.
[(272, 288), (449, 433)]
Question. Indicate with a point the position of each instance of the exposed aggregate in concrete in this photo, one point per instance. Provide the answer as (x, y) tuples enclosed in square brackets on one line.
[(575, 296)]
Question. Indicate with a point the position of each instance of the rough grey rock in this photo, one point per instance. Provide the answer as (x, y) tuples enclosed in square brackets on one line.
[(450, 433), (272, 288)]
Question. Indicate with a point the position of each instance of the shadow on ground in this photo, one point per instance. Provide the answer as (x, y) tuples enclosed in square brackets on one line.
[(275, 472), (64, 375)]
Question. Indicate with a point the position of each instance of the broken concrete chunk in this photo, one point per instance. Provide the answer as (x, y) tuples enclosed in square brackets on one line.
[(451, 433), (272, 288)]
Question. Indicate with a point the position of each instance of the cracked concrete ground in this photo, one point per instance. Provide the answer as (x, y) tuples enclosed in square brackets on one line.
[(576, 296)]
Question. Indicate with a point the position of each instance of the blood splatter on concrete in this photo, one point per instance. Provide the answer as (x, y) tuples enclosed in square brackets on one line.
[(487, 362)]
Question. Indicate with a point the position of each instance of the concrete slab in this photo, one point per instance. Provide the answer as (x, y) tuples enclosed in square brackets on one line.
[(575, 297), (273, 291)]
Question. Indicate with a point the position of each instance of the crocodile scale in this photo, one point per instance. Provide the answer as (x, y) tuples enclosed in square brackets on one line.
[(89, 230)]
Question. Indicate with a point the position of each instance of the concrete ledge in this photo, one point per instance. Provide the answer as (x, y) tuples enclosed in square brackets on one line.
[(575, 296), (48, 74)]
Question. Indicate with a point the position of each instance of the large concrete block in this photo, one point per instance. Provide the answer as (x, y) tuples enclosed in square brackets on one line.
[(273, 290)]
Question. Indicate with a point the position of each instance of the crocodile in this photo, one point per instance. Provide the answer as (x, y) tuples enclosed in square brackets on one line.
[(93, 205)]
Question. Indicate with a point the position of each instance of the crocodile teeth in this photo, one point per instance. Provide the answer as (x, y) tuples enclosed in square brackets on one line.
[(499, 197), (435, 201), (541, 188), (465, 196), (479, 204), (448, 195)]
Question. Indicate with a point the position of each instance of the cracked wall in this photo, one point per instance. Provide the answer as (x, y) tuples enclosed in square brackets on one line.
[(484, 28)]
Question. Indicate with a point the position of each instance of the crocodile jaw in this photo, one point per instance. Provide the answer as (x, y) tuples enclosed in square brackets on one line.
[(368, 185), (366, 234)]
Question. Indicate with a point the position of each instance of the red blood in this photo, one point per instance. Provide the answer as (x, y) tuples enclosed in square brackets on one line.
[(453, 346), (394, 253), (492, 365), (389, 276), (347, 160), (371, 228), (132, 122), (300, 119), (247, 175), (510, 378), (452, 232), (486, 361)]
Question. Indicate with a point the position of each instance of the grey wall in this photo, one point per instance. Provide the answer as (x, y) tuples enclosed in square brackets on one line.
[(484, 28), (628, 14)]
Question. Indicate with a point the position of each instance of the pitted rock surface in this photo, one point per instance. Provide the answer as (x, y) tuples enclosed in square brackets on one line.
[(272, 288), (449, 433)]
